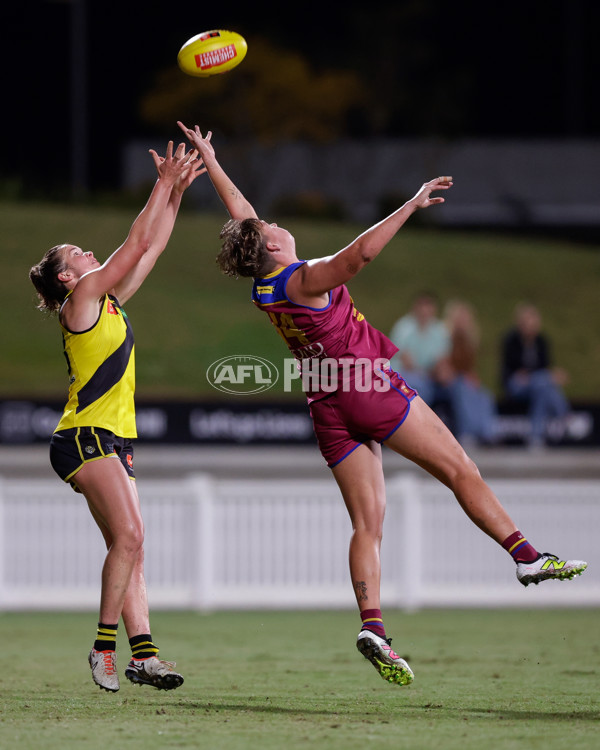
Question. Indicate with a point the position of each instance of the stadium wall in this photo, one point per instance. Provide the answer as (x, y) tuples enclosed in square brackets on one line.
[(265, 422)]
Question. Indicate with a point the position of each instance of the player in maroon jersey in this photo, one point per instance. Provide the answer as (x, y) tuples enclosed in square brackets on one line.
[(356, 401)]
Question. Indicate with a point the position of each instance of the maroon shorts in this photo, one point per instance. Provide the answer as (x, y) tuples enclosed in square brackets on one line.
[(343, 420)]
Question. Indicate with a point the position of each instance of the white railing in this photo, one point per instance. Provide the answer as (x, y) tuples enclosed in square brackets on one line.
[(217, 544)]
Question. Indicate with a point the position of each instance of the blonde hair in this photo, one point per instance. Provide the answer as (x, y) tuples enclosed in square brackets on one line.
[(243, 252), (457, 309)]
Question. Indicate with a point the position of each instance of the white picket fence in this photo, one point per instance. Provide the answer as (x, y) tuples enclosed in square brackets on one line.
[(234, 544)]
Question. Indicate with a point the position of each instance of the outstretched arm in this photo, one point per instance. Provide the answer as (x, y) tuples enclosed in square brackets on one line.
[(132, 281), (81, 309), (235, 203), (312, 280)]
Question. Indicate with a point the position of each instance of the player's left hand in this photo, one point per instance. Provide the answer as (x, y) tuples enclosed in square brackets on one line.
[(423, 198), (198, 141), (195, 166)]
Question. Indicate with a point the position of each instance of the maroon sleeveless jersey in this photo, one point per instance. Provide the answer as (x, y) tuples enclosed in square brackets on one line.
[(335, 332)]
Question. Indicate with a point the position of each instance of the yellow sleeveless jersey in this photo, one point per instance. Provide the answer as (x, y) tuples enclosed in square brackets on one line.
[(101, 369)]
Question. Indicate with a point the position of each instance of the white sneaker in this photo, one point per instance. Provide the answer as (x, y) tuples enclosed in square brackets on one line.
[(104, 669), (386, 661), (549, 566), (153, 671)]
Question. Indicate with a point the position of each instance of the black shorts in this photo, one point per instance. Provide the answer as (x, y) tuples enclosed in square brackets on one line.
[(71, 449)]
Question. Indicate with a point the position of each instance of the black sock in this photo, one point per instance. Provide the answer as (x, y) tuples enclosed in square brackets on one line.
[(142, 646), (106, 637)]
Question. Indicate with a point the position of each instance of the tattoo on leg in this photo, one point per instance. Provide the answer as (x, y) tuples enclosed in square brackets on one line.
[(361, 590)]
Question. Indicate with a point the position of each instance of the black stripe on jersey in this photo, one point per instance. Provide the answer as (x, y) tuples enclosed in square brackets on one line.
[(69, 369), (109, 373)]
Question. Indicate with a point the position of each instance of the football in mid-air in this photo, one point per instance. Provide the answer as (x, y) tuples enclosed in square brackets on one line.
[(212, 52)]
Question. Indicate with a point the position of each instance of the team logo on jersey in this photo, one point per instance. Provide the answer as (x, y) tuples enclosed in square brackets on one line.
[(242, 375), (110, 308), (265, 289)]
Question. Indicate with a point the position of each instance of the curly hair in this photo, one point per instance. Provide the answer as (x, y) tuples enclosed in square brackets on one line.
[(44, 276), (243, 252)]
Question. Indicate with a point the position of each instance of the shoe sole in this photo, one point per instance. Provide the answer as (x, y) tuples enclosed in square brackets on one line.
[(392, 673), (558, 575), (160, 682), (108, 690)]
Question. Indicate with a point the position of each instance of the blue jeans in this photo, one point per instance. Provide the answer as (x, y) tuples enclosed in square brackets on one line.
[(545, 398), (474, 410)]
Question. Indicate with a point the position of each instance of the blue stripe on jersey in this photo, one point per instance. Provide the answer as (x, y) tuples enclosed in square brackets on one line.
[(271, 289)]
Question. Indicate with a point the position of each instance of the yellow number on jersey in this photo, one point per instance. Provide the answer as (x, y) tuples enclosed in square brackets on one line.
[(286, 328)]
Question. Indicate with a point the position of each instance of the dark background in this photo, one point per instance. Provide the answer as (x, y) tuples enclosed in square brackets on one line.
[(525, 69)]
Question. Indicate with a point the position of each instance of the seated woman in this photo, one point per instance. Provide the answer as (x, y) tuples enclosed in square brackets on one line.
[(528, 375), (473, 405)]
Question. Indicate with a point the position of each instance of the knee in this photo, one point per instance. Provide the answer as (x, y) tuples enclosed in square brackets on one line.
[(369, 525), (131, 538), (462, 470), (368, 533), (138, 564)]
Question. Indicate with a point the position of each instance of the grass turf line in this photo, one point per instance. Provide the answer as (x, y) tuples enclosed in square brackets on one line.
[(500, 678)]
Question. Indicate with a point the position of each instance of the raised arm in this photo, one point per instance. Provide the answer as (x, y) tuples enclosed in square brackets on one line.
[(235, 203), (81, 309), (312, 280), (132, 281)]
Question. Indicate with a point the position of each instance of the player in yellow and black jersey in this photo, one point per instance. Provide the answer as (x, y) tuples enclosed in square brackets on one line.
[(101, 371), (91, 447)]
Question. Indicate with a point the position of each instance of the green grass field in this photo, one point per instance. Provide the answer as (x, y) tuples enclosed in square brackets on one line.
[(188, 315), (272, 680)]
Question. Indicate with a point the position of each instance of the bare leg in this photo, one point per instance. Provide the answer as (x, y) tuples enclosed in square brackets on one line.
[(114, 503), (360, 478), (135, 613), (136, 617), (424, 439)]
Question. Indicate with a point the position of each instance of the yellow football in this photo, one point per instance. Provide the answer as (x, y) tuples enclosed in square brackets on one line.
[(211, 53)]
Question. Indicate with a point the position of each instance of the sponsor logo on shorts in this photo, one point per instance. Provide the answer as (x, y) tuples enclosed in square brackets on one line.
[(130, 460), (89, 449)]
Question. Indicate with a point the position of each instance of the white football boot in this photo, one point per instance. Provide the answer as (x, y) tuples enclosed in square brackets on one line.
[(385, 660), (549, 566), (153, 671), (104, 669)]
